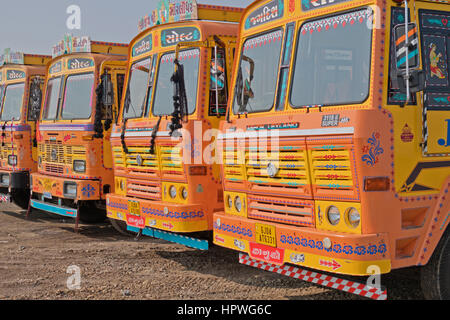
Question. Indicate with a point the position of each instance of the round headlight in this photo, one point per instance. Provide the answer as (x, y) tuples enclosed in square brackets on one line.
[(334, 216), (173, 192), (238, 203), (353, 217), (230, 202), (184, 193)]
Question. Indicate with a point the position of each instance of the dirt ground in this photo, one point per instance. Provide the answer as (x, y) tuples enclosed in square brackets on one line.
[(35, 255)]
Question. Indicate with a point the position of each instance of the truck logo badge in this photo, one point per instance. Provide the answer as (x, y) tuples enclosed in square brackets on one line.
[(54, 155), (272, 170), (139, 160)]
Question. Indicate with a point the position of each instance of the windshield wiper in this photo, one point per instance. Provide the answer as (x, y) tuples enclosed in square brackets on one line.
[(180, 103), (243, 88)]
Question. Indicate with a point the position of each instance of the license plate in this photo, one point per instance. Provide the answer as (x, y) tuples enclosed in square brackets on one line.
[(266, 234), (48, 195), (134, 208), (137, 222)]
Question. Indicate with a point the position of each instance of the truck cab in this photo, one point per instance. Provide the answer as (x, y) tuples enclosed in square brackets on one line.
[(164, 187), (75, 169), (22, 79)]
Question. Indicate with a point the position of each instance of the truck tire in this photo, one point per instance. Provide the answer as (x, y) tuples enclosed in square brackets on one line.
[(435, 276), (91, 214), (121, 227)]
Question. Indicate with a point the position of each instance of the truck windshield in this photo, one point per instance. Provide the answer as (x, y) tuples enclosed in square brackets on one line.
[(137, 90), (333, 61), (78, 97), (163, 104), (52, 98), (257, 73), (13, 102)]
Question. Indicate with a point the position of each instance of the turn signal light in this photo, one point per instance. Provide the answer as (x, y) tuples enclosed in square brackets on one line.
[(198, 171), (88, 138), (377, 184)]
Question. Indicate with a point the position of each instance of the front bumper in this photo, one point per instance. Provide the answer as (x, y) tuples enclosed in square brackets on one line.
[(50, 187), (349, 254), (159, 215), (15, 180)]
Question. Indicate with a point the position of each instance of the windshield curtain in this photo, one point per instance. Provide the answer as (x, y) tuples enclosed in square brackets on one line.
[(13, 102), (51, 99), (78, 97), (333, 61), (258, 73), (135, 100), (163, 104)]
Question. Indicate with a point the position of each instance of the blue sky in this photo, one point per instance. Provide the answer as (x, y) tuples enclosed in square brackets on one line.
[(35, 26)]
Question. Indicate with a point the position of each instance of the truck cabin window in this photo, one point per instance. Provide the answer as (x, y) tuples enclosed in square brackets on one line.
[(163, 104), (137, 90), (332, 66), (52, 99), (78, 97), (12, 104), (257, 73)]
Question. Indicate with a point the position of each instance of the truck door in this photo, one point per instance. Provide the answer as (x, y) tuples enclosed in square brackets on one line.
[(435, 41)]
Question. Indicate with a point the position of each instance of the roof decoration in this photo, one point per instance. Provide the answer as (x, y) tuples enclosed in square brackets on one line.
[(71, 44), (11, 57), (169, 11)]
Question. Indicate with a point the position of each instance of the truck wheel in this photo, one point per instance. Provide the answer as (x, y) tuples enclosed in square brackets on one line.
[(435, 276), (120, 227)]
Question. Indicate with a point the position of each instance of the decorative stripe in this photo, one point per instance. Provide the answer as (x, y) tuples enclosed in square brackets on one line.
[(289, 133), (67, 127)]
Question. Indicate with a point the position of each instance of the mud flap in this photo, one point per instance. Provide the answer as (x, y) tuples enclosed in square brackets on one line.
[(5, 198), (172, 237), (317, 278)]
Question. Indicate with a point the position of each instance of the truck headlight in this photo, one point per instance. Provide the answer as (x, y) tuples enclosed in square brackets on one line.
[(238, 203), (353, 217), (173, 192), (184, 193), (5, 179), (70, 190), (334, 216), (79, 166), (230, 202), (12, 160)]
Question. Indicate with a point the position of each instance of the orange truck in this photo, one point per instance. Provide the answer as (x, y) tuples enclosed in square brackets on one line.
[(164, 188), (21, 82), (82, 94), (336, 148)]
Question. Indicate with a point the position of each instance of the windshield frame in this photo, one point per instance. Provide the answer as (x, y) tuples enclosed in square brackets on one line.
[(63, 96), (156, 82), (129, 78), (238, 68), (3, 100), (295, 57)]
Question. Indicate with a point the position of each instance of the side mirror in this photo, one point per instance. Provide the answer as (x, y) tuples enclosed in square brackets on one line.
[(416, 81), (409, 78), (108, 90), (401, 46)]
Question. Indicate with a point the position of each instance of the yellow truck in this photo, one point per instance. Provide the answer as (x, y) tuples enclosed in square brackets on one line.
[(75, 169), (22, 79)]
